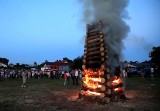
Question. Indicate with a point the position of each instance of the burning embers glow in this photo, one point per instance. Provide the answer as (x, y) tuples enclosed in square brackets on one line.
[(118, 89), (116, 81), (94, 82), (93, 93), (90, 81)]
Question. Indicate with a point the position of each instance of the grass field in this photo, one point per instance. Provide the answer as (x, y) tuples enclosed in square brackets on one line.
[(52, 95)]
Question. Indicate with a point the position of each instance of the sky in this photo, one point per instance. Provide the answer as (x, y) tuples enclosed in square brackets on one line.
[(38, 30)]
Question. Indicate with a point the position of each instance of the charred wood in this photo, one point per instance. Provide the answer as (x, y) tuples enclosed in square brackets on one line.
[(92, 33), (94, 53), (98, 90), (93, 49), (95, 79), (95, 40), (93, 37), (98, 44)]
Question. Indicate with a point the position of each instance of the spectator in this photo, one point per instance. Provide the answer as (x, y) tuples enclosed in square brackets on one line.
[(68, 77), (80, 73), (24, 77), (72, 73), (54, 74), (62, 73), (57, 74), (29, 74), (76, 76), (152, 73), (65, 78), (142, 74)]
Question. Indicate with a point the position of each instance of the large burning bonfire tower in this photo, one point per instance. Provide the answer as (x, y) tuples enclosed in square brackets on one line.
[(97, 81)]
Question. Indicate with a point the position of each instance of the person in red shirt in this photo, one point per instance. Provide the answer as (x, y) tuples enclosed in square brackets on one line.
[(65, 78)]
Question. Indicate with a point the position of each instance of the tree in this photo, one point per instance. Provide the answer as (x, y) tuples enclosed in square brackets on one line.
[(68, 60), (40, 65), (21, 66), (35, 64), (77, 63), (4, 61), (155, 57)]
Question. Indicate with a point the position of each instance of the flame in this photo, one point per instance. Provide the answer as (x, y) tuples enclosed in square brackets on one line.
[(93, 93), (116, 81), (118, 89), (96, 79), (92, 83)]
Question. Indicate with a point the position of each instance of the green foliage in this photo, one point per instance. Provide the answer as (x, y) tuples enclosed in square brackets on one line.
[(40, 65), (4, 61), (68, 60), (77, 63), (21, 66), (155, 56)]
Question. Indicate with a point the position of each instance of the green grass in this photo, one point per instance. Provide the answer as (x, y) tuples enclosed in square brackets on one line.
[(51, 95), (136, 82)]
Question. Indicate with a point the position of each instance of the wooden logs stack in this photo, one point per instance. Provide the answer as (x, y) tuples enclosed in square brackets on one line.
[(96, 80), (94, 50)]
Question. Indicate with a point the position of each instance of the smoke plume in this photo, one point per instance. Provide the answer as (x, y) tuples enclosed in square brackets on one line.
[(141, 42), (112, 14)]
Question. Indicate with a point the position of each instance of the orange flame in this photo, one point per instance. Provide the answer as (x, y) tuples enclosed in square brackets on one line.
[(116, 81), (92, 93), (118, 89), (96, 79), (91, 82)]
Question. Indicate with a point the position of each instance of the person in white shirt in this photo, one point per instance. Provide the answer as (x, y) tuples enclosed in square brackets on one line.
[(24, 77), (68, 77), (152, 72), (76, 76)]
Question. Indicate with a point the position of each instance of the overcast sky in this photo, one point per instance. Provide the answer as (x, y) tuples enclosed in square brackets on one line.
[(39, 30)]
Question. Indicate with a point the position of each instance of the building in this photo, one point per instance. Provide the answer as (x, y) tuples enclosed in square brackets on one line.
[(2, 65), (59, 65)]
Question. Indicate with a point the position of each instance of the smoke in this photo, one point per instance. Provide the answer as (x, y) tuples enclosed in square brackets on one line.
[(139, 42), (112, 14)]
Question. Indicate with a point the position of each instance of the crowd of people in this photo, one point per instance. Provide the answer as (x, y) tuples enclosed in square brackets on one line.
[(70, 77), (15, 74), (6, 74), (74, 75)]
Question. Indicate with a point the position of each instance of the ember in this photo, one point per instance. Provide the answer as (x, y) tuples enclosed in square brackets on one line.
[(96, 80), (118, 89), (116, 81)]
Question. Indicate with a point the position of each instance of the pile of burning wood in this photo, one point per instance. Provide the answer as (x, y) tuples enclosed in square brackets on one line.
[(97, 81)]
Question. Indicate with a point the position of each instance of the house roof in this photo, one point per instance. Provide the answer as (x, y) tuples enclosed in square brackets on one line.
[(2, 65), (58, 63)]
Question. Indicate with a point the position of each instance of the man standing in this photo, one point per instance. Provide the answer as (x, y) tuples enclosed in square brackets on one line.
[(24, 77), (72, 73), (68, 77), (142, 74), (152, 72), (76, 76)]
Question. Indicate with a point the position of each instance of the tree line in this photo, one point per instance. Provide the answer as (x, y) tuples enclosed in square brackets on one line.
[(76, 63)]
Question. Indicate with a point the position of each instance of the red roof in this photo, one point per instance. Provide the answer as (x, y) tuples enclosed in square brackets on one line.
[(57, 63)]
